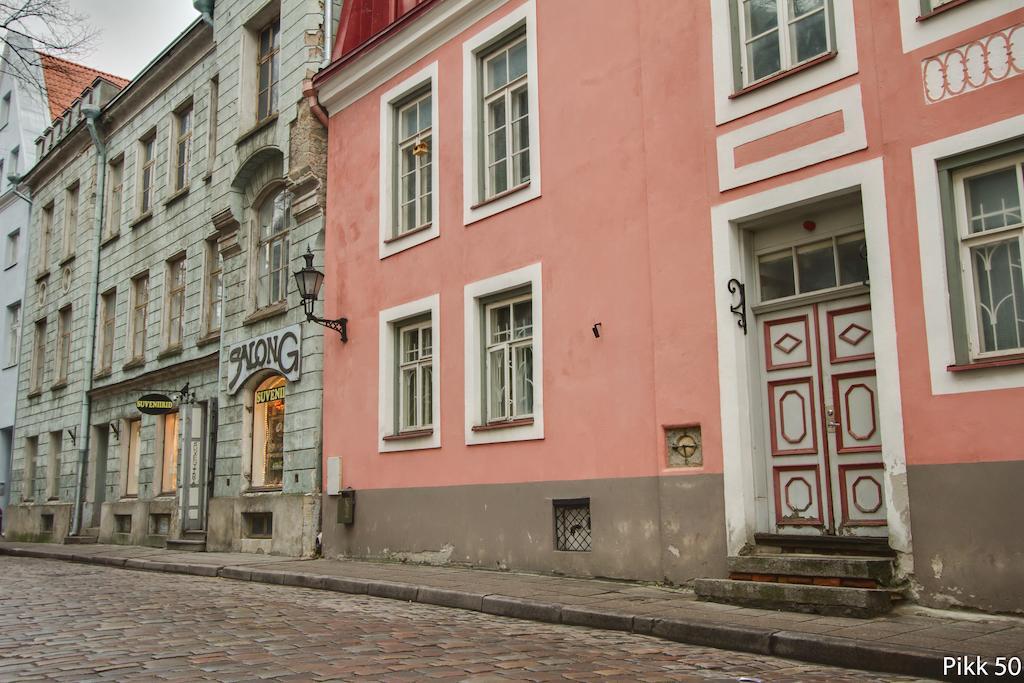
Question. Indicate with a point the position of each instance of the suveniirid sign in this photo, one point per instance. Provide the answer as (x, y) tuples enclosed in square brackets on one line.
[(280, 351), (156, 404), (268, 395)]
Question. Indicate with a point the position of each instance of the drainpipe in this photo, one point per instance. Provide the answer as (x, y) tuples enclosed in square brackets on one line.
[(92, 115), (314, 102), (205, 8), (328, 31)]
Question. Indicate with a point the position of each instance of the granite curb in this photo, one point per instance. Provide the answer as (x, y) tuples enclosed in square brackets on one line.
[(806, 647)]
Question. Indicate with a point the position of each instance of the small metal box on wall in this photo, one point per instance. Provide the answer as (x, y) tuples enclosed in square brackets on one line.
[(347, 507)]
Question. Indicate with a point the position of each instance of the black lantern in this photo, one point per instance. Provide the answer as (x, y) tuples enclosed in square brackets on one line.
[(309, 281)]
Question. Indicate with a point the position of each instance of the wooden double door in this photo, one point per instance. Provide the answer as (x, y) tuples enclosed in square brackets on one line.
[(823, 445)]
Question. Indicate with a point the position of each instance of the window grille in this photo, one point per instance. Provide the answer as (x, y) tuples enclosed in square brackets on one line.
[(572, 525)]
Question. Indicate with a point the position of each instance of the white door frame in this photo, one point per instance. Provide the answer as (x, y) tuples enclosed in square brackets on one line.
[(737, 364)]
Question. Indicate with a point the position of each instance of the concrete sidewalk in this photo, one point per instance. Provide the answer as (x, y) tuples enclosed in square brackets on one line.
[(909, 641)]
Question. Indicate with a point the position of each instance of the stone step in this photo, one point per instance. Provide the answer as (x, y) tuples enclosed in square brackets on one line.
[(79, 540), (186, 545), (876, 570), (194, 535), (863, 603)]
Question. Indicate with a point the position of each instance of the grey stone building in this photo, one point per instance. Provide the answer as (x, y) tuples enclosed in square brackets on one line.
[(199, 190)]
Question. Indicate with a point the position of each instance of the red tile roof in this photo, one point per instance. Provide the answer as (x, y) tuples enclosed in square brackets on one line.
[(66, 80)]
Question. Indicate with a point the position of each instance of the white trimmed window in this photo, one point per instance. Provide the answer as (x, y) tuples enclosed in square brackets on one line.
[(115, 181), (133, 447), (11, 248), (990, 233), (38, 356), (169, 460), (268, 60), (272, 223), (70, 220), (504, 392), (63, 345), (45, 238), (409, 380), (174, 316), (414, 163), (502, 157), (13, 333), (182, 147), (108, 310), (138, 320), (213, 289), (778, 35), (146, 172)]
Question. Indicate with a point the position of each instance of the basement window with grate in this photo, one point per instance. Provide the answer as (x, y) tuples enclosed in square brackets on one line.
[(572, 525)]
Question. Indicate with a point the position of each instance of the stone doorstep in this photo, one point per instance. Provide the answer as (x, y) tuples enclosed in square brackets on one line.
[(863, 603), (853, 569), (807, 647)]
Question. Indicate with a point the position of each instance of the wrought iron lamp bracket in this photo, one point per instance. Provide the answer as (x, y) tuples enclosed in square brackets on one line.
[(339, 325), (739, 308)]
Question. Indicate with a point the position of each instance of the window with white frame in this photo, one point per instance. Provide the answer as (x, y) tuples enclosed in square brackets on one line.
[(11, 248), (990, 234), (45, 237), (182, 147), (213, 289), (115, 181), (63, 345), (212, 117), (146, 170), (272, 224), (506, 117), (508, 368), (269, 65), (70, 220), (774, 36), (174, 316), (30, 455), (414, 157), (38, 356), (137, 322), (13, 333), (415, 373), (108, 311)]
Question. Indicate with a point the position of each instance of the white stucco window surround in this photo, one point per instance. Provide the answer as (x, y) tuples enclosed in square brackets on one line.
[(477, 296), (391, 242), (391, 321), (917, 34), (788, 86), (938, 318), (478, 202), (738, 363)]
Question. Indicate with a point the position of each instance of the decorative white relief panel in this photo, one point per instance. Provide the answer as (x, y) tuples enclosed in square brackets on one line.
[(987, 60)]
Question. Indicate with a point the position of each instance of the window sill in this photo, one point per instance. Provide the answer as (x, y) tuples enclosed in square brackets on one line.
[(134, 363), (176, 196), (208, 177), (103, 374), (271, 311), (10, 365), (1004, 362), (525, 422), (784, 74), (10, 265), (499, 196), (170, 352), (130, 496), (269, 121), (941, 9), (66, 260), (407, 233), (139, 220), (42, 274), (263, 489), (208, 338), (112, 237), (58, 386), (35, 393), (405, 436)]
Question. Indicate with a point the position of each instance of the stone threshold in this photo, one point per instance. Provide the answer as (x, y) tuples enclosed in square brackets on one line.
[(694, 623)]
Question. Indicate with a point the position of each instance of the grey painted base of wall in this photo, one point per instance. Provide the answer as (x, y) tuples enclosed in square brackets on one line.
[(650, 529), (296, 518), (140, 510), (968, 542), (24, 522)]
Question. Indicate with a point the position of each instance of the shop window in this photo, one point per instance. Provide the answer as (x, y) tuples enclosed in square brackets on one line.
[(123, 524), (258, 524), (268, 433), (169, 469), (131, 475)]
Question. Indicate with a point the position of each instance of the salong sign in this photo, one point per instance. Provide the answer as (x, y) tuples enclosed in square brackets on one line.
[(280, 351)]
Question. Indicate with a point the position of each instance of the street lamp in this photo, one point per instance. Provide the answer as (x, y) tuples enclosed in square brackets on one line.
[(309, 281)]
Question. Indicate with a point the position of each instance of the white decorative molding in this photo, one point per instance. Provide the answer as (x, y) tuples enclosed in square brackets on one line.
[(916, 34), (852, 138), (738, 360), (981, 62), (931, 242), (842, 65)]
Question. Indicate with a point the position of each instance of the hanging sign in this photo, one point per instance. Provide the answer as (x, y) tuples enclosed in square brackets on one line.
[(280, 351), (156, 404), (268, 395)]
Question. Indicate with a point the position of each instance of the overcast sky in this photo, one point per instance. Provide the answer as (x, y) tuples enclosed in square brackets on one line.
[(131, 32)]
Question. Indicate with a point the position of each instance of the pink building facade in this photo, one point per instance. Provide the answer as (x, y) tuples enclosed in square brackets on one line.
[(638, 289)]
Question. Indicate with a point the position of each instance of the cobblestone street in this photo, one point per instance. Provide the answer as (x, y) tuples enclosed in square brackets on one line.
[(64, 621)]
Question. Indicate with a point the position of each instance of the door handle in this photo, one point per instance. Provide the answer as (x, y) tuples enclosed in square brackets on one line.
[(830, 419)]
